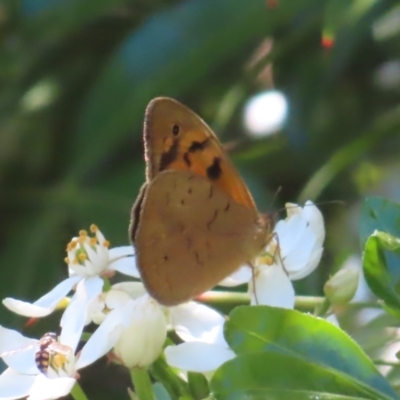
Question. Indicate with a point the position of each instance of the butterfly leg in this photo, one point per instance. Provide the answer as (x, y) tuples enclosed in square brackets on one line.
[(253, 279), (278, 253)]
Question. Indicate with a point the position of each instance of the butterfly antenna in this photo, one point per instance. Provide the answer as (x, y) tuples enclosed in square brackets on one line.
[(278, 191), (322, 203)]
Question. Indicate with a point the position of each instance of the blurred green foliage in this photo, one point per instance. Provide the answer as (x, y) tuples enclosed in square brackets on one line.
[(76, 76)]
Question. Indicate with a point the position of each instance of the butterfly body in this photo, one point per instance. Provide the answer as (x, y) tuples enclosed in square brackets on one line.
[(194, 222)]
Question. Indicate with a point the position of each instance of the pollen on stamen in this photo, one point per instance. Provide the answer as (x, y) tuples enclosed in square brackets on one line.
[(106, 243), (266, 258), (83, 232), (94, 228), (82, 257), (66, 259), (72, 244), (75, 261), (82, 239), (93, 241)]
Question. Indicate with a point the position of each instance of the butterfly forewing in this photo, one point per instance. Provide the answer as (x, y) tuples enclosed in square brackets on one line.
[(178, 139), (190, 235)]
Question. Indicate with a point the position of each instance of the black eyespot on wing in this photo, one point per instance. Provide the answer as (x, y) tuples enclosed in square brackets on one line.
[(214, 171), (175, 130)]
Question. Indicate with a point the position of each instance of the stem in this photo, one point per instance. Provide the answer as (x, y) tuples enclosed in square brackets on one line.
[(308, 302), (142, 384), (77, 393), (387, 363), (106, 284), (237, 298)]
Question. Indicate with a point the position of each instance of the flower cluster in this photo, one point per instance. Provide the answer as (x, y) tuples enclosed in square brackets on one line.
[(132, 327)]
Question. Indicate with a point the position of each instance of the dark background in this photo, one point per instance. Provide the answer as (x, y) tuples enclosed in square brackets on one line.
[(76, 76)]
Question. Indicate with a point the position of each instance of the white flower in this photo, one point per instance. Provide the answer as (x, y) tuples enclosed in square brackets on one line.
[(136, 330), (292, 254), (88, 260), (23, 377), (205, 348), (143, 333), (118, 295)]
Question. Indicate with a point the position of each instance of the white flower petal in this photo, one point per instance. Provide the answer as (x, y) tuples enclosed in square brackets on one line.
[(273, 288), (47, 389), (198, 356), (134, 289), (239, 277), (11, 340), (119, 252), (193, 321), (115, 298), (103, 339), (23, 360), (46, 304), (289, 233), (144, 333), (299, 256), (310, 266), (74, 317), (126, 266), (14, 385), (315, 219)]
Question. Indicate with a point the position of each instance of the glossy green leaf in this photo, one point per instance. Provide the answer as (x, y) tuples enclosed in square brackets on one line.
[(290, 332), (271, 375), (381, 262), (379, 214)]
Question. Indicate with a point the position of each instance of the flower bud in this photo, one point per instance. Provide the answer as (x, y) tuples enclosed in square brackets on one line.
[(143, 335), (342, 286)]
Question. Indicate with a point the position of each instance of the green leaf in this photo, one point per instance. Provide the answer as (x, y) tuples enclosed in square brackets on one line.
[(379, 214), (380, 262), (271, 375), (289, 332)]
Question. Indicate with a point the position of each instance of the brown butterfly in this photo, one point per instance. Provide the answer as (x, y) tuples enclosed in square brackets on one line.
[(194, 221)]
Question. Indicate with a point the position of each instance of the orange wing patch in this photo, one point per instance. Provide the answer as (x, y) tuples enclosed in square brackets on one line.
[(177, 139)]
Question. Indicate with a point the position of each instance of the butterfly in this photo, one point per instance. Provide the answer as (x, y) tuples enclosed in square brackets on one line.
[(194, 221)]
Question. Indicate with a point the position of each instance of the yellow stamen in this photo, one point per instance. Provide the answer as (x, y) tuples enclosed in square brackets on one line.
[(265, 259), (83, 232), (82, 239), (71, 245), (93, 228), (82, 257), (63, 303), (93, 241), (75, 261), (58, 361), (66, 259), (106, 243)]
